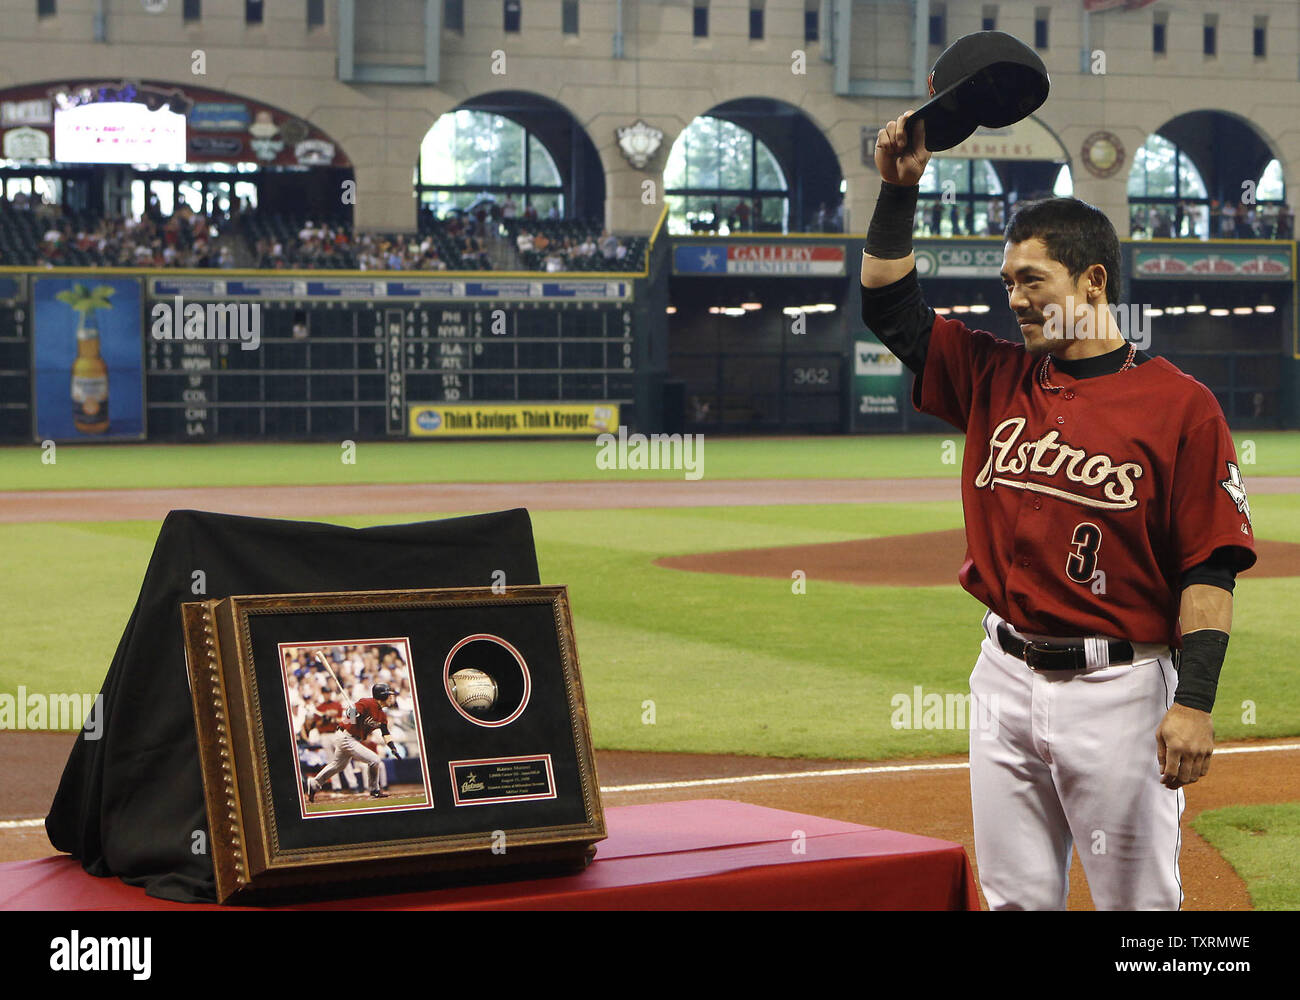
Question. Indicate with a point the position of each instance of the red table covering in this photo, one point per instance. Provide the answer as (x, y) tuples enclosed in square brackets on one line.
[(705, 854)]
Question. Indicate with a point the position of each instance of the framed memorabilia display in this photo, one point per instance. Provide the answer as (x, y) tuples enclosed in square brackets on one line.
[(371, 741)]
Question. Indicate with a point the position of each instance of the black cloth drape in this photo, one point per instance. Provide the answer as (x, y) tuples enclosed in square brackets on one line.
[(130, 802)]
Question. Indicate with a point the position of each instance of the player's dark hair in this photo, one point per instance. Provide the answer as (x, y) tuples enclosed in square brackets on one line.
[(1077, 235)]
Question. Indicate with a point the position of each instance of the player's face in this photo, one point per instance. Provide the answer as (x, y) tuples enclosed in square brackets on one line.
[(1034, 282)]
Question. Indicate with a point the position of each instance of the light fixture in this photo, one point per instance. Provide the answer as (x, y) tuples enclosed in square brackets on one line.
[(733, 311), (714, 310), (980, 305), (1152, 311), (1218, 311), (751, 306), (942, 310), (1197, 306), (961, 309), (1175, 310), (671, 310), (792, 311), (1242, 310), (1265, 306)]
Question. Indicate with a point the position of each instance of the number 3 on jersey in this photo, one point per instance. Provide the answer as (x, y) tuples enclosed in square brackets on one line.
[(1082, 562)]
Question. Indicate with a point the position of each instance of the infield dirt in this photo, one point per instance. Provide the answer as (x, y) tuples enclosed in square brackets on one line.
[(929, 803)]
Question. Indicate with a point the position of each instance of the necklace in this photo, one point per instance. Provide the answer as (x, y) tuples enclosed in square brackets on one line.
[(1045, 382)]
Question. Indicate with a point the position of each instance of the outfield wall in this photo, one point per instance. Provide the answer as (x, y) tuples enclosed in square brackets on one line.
[(733, 335)]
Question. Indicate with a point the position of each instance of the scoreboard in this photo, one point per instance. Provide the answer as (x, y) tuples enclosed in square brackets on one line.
[(263, 356), (349, 358), (15, 360)]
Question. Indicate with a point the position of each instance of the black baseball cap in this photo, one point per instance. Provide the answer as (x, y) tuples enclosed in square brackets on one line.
[(987, 78)]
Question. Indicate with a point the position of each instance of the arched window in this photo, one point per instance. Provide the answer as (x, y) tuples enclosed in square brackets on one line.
[(1064, 186), (469, 156), (722, 178), (1271, 186), (1166, 195), (960, 197)]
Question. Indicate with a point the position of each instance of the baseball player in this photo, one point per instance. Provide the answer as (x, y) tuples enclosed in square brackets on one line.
[(1106, 519), (351, 744), (326, 719)]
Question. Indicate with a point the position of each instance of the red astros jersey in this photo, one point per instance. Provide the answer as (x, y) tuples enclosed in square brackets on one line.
[(1084, 505), (370, 716), (328, 714)]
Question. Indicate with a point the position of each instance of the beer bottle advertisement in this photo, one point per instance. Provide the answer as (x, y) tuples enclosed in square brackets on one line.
[(89, 359)]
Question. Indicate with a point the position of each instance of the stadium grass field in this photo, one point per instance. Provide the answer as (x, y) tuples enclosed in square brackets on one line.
[(731, 664), (129, 466), (339, 802), (1261, 843), (728, 664)]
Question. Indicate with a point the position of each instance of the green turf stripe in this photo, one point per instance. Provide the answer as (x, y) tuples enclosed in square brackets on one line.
[(1261, 843), (181, 466), (732, 664)]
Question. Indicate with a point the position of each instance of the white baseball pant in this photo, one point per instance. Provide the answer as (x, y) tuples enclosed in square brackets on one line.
[(330, 742), (349, 748), (1071, 759)]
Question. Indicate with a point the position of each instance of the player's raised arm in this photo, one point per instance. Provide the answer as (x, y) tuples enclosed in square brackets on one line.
[(892, 306), (901, 162)]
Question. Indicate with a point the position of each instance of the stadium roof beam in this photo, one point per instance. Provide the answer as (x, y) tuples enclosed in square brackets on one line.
[(351, 71), (840, 43)]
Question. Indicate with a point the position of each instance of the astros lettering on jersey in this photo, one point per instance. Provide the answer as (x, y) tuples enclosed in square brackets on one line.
[(1056, 484)]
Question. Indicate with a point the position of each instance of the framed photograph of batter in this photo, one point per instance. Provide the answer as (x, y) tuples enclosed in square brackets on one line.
[(376, 741), (349, 706)]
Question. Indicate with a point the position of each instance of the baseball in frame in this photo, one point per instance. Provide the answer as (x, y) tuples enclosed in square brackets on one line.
[(487, 699), (473, 690)]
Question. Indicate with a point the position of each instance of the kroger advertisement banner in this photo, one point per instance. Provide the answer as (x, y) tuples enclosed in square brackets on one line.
[(511, 419)]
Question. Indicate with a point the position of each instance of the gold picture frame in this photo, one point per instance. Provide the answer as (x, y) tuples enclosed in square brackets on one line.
[(485, 764)]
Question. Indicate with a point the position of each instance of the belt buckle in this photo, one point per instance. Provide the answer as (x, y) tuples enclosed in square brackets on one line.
[(1042, 652), (1031, 649)]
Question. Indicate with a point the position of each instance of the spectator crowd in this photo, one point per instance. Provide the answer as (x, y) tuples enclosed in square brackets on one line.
[(570, 253), (185, 239), (1217, 221), (471, 240)]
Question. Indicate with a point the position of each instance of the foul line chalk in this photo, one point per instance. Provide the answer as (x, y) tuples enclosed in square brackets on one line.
[(789, 775), (842, 772), (846, 772)]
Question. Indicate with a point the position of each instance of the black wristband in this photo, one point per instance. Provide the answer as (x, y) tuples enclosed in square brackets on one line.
[(1199, 666), (889, 236)]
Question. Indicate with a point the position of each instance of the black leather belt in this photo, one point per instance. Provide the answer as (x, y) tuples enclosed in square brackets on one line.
[(1057, 655)]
